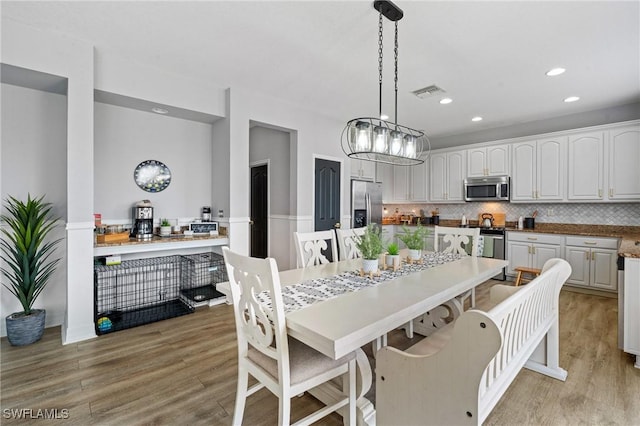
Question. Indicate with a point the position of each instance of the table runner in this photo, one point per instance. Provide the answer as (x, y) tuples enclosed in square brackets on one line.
[(298, 296)]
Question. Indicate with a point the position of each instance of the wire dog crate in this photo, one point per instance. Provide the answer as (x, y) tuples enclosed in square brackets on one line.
[(200, 274), (138, 292)]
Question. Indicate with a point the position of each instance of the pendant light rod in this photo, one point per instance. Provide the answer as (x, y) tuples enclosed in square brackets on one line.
[(380, 65)]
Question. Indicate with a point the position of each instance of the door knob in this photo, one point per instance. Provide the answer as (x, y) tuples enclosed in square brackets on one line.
[(337, 225), (251, 222)]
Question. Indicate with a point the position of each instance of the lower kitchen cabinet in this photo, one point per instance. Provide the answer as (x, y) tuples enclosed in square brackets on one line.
[(532, 250), (593, 262)]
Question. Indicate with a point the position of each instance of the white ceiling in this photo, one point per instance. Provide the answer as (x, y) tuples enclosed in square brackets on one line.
[(490, 57)]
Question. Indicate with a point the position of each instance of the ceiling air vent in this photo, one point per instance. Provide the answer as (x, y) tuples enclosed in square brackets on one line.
[(428, 91)]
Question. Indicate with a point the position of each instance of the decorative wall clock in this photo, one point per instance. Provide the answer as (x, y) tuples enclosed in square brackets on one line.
[(152, 176)]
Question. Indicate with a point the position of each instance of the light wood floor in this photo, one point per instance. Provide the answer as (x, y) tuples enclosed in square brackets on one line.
[(183, 371)]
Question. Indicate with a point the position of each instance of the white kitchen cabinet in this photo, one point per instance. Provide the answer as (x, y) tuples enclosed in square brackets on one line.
[(593, 262), (446, 176), (603, 165), (410, 183), (361, 169), (586, 166), (624, 163), (532, 250), (538, 170), (384, 174), (488, 161)]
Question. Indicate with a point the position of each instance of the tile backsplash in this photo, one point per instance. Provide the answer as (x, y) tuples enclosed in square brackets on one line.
[(627, 214)]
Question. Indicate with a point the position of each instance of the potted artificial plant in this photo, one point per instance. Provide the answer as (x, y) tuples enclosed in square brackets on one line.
[(370, 246), (28, 266), (414, 240), (165, 227), (393, 255)]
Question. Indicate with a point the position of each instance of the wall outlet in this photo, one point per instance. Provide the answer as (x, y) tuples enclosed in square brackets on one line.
[(549, 212)]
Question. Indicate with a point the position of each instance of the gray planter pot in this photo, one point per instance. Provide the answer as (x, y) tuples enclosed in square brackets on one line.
[(25, 329)]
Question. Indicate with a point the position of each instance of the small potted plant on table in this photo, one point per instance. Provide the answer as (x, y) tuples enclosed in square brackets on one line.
[(392, 258), (414, 240), (28, 265), (370, 246)]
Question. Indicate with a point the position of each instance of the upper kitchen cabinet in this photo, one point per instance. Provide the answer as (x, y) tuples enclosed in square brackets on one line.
[(593, 176), (409, 183), (384, 174), (624, 163), (586, 166), (538, 170), (362, 169), (446, 175), (488, 161)]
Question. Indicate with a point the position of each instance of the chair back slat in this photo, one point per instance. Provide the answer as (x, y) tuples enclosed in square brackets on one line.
[(256, 325), (347, 242), (312, 248), (457, 239)]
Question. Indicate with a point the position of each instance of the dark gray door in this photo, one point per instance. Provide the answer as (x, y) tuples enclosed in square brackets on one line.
[(259, 223), (327, 194)]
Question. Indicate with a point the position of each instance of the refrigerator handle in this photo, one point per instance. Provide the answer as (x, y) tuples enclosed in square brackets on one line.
[(367, 201)]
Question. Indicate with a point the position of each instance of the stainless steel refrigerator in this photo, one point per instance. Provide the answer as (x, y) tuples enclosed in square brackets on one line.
[(366, 203)]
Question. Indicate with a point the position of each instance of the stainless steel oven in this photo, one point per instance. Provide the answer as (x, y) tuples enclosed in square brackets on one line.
[(494, 247)]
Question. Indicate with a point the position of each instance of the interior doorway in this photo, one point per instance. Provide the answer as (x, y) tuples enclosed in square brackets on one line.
[(259, 223), (327, 194)]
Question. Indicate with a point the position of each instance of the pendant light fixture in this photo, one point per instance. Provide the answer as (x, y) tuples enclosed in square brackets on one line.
[(376, 139)]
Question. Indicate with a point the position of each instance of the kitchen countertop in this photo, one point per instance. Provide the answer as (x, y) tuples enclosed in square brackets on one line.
[(158, 239), (630, 235)]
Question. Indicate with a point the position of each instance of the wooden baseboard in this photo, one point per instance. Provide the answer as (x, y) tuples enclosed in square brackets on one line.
[(593, 292)]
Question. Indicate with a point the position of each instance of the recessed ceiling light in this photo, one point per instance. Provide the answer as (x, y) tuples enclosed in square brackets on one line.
[(555, 71), (572, 99), (159, 110), (445, 101), (476, 118), (384, 117)]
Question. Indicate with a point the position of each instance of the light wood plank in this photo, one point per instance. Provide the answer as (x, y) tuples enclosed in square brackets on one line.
[(183, 371)]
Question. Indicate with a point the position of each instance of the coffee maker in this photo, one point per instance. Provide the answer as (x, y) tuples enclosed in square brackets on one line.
[(142, 221)]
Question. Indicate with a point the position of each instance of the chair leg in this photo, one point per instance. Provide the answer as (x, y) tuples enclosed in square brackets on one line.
[(241, 396), (349, 388), (284, 410)]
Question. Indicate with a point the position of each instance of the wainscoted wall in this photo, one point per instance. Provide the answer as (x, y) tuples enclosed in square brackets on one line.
[(627, 214)]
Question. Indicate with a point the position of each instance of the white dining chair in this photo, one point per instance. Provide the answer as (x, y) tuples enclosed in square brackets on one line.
[(458, 239), (312, 248), (347, 242), (282, 364)]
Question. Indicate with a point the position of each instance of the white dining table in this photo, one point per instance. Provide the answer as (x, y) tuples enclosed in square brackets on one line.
[(345, 323), (342, 324)]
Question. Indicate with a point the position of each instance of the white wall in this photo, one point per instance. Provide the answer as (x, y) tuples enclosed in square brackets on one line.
[(124, 137), (34, 161)]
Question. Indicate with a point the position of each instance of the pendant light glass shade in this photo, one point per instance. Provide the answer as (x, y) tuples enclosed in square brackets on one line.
[(380, 136), (373, 139)]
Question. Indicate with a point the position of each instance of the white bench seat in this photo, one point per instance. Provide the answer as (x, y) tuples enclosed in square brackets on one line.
[(458, 374)]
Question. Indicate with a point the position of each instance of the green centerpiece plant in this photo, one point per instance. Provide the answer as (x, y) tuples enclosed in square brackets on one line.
[(26, 251), (370, 246), (414, 239), (393, 255)]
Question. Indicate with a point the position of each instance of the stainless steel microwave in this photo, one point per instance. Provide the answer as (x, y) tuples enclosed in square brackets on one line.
[(490, 188)]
